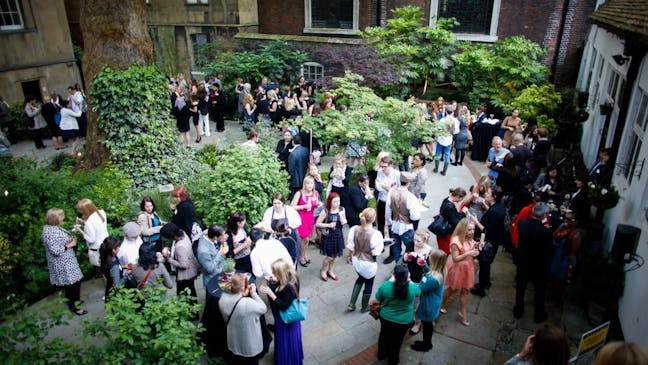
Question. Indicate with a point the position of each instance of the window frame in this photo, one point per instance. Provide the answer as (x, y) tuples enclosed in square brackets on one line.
[(310, 64), (473, 37), (308, 18), (197, 2), (20, 18), (635, 139)]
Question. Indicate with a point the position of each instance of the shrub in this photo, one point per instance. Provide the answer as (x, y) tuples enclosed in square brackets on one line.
[(133, 110), (242, 180), (31, 191), (147, 327)]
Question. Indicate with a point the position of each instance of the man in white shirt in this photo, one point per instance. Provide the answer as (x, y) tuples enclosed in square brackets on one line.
[(265, 252), (387, 179), (129, 249), (402, 208)]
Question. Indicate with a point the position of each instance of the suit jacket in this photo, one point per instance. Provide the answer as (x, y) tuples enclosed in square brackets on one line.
[(297, 165), (357, 203), (535, 246), (601, 173)]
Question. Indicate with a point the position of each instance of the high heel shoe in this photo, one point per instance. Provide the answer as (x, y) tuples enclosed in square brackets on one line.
[(462, 320)]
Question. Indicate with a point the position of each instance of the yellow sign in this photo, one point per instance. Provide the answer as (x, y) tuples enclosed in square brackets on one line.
[(592, 340)]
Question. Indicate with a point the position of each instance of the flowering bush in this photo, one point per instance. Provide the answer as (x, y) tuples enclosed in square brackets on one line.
[(604, 197)]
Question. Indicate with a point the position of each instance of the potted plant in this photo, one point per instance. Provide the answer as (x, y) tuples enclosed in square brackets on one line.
[(229, 267)]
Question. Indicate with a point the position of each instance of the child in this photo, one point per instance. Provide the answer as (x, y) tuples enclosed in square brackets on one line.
[(431, 286), (416, 262)]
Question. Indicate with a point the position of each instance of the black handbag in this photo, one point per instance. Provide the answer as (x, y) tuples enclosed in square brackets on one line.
[(487, 253), (440, 226)]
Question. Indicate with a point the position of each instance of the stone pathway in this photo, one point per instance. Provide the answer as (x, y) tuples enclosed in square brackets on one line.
[(333, 336)]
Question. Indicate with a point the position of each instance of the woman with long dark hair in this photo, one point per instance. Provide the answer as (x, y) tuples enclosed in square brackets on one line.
[(150, 223), (451, 214), (238, 241), (396, 297), (110, 267)]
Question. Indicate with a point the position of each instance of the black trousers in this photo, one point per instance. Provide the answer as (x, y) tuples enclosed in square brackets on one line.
[(73, 295), (485, 271), (523, 277), (37, 137), (428, 330), (390, 340)]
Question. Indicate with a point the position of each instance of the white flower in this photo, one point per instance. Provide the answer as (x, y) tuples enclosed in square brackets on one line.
[(590, 184), (603, 191)]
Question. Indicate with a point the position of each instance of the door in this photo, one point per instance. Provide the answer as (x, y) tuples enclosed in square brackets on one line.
[(32, 88)]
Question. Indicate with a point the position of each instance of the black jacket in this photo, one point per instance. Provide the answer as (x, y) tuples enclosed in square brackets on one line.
[(357, 203), (535, 246)]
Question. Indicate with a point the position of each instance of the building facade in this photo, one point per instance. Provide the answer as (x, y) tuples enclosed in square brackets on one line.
[(614, 72), (178, 28), (36, 54), (558, 25)]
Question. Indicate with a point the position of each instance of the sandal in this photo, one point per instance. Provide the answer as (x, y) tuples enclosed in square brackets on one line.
[(443, 311), (413, 332), (332, 276), (303, 264)]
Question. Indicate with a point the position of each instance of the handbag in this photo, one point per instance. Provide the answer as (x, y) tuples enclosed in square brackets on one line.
[(487, 253), (440, 226), (298, 310), (374, 308)]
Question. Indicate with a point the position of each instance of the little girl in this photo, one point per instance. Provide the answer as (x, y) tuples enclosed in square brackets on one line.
[(431, 286), (416, 262)]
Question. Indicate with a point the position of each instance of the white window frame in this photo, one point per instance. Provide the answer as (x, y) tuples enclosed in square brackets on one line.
[(309, 65), (308, 25), (19, 15), (636, 133), (473, 37), (197, 2)]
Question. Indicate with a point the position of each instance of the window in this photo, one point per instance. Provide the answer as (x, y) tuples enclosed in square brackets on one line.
[(312, 71), (478, 18), (331, 16), (10, 15), (197, 40), (197, 1), (634, 141)]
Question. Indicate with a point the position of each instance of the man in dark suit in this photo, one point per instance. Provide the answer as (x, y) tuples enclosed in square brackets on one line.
[(601, 172), (533, 261), (297, 165), (358, 200)]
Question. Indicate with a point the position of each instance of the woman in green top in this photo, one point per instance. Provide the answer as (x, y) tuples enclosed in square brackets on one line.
[(396, 312)]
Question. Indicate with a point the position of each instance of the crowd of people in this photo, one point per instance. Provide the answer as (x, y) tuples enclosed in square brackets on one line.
[(523, 204)]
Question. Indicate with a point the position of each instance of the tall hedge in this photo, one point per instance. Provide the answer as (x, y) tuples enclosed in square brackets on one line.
[(134, 111)]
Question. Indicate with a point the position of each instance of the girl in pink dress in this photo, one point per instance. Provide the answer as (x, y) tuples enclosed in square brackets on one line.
[(305, 201), (461, 268)]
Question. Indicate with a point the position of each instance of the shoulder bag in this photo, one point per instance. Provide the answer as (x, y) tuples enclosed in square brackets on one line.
[(374, 308), (298, 310), (440, 226)]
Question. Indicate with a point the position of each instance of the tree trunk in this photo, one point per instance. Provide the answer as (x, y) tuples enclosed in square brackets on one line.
[(115, 35)]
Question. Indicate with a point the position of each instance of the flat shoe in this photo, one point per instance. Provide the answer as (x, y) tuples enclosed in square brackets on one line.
[(323, 277), (303, 264), (332, 276), (413, 333), (443, 310), (80, 312)]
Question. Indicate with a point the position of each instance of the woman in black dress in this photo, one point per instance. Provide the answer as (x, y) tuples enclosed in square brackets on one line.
[(184, 213), (330, 222), (181, 112), (238, 241)]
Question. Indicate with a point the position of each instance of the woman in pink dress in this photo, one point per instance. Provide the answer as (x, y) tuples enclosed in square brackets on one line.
[(305, 201), (461, 268)]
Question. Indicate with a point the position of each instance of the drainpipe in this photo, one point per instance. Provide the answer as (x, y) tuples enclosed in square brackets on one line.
[(561, 32)]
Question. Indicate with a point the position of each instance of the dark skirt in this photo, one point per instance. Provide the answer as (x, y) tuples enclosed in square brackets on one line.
[(69, 134), (332, 245), (183, 124), (288, 348)]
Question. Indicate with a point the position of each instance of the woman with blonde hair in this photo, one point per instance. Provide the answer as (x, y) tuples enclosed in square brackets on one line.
[(461, 268), (619, 352), (305, 202), (62, 264), (249, 111), (364, 244), (462, 135), (431, 286), (281, 293), (95, 228), (475, 200)]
